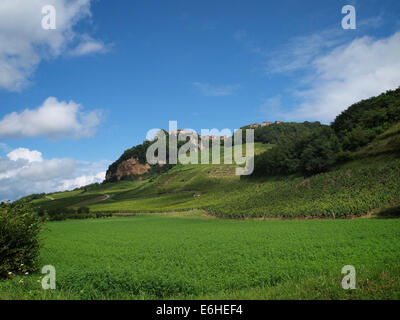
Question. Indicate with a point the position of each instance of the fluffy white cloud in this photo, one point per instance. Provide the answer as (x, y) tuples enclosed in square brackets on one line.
[(47, 170), (53, 119), (349, 73), (215, 90), (26, 154), (23, 172), (23, 41)]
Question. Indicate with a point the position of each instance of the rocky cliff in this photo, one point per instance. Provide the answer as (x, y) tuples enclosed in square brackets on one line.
[(127, 167)]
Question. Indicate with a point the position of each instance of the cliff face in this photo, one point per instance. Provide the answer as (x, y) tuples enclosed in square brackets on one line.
[(126, 168)]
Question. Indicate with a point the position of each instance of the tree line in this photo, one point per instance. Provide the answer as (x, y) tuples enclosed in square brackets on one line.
[(312, 148)]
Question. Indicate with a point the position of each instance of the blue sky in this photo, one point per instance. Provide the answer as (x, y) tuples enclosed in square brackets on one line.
[(124, 67)]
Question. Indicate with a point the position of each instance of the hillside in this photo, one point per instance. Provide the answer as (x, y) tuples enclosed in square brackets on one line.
[(344, 181), (355, 188), (362, 122), (132, 162)]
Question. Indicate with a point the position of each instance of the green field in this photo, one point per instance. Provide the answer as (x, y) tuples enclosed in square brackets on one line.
[(191, 255)]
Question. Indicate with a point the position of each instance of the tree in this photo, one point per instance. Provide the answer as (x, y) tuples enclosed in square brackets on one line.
[(319, 152), (310, 154)]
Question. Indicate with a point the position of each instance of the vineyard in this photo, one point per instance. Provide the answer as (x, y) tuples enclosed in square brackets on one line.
[(353, 189), (341, 193)]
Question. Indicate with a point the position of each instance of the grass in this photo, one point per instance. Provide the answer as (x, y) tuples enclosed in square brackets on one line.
[(191, 255)]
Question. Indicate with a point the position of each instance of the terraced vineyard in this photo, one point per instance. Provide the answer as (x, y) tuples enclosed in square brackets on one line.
[(354, 189)]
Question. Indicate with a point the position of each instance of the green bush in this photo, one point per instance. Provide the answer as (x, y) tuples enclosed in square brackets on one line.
[(19, 244), (61, 214), (83, 210)]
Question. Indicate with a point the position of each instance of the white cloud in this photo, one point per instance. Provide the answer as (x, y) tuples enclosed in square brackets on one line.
[(333, 69), (216, 90), (347, 74), (88, 46), (71, 184), (23, 41), (299, 52), (26, 154), (24, 173), (47, 170), (53, 119)]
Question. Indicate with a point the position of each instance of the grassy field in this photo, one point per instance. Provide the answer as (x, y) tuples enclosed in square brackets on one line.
[(192, 255)]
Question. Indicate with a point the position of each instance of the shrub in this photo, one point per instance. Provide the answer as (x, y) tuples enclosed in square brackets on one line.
[(83, 210), (19, 244), (344, 156), (61, 214)]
